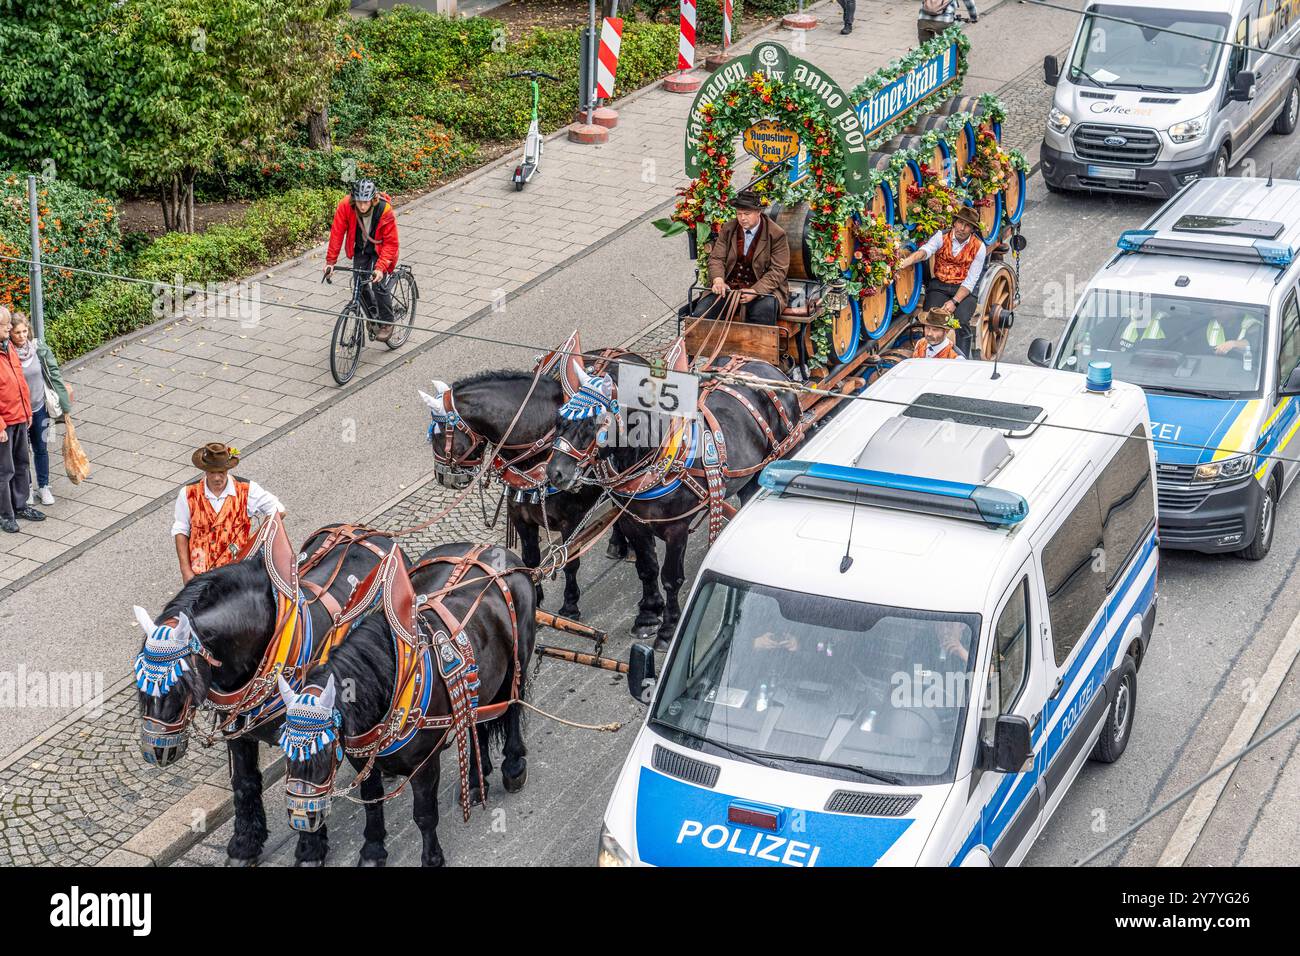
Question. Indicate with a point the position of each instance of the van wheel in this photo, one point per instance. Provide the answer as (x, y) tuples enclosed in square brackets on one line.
[(1219, 167), (1119, 720), (1284, 125), (1265, 522)]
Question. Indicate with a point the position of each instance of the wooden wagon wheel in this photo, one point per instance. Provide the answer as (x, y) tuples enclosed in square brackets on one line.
[(994, 309)]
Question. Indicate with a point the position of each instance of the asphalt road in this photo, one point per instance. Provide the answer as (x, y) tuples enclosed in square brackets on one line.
[(1220, 617)]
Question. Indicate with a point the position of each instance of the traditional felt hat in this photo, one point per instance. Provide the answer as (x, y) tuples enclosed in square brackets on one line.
[(215, 456), (968, 215), (747, 199), (939, 319)]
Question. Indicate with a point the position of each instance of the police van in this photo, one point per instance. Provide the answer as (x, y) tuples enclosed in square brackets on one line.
[(1199, 308), (906, 646), (1156, 94)]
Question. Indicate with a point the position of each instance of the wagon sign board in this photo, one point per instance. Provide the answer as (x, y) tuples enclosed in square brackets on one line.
[(769, 142), (775, 62), (922, 81)]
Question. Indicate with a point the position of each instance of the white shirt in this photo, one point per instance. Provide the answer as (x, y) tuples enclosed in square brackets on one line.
[(976, 265), (749, 238), (260, 502)]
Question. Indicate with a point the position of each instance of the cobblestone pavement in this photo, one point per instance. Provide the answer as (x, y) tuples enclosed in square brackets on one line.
[(218, 373)]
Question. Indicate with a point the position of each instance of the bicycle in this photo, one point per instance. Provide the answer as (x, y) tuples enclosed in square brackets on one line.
[(929, 29), (533, 144), (356, 322)]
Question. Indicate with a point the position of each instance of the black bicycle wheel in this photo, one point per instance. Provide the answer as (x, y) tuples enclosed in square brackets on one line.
[(345, 348), (405, 298)]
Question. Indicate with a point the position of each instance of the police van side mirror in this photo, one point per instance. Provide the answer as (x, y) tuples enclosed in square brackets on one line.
[(1243, 87), (1040, 352), (641, 672), (1292, 384), (1013, 744), (1051, 70)]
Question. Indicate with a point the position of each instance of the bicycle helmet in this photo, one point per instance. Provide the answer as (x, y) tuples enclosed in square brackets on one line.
[(363, 190)]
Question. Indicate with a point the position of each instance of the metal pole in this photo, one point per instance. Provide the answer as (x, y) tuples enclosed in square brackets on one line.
[(592, 53), (37, 303)]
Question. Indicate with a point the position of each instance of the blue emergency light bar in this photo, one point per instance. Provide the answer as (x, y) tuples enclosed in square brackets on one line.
[(993, 507), (1269, 253)]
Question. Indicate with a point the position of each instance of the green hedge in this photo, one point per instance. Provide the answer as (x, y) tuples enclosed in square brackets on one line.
[(78, 228), (269, 230)]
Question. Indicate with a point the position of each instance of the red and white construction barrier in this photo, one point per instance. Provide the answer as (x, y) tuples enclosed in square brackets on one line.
[(611, 37), (686, 39), (726, 25)]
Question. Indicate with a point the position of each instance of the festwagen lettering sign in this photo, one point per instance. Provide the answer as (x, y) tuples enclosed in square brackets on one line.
[(775, 62)]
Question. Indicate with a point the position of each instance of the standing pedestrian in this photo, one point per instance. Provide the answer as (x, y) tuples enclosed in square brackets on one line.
[(41, 371), (848, 6), (15, 421)]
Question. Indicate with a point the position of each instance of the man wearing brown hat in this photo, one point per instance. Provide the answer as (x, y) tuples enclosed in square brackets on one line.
[(750, 253), (214, 513), (936, 323), (956, 260)]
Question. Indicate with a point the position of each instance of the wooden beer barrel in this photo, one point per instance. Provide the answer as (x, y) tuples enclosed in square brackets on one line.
[(794, 220), (971, 105), (990, 218), (907, 284), (963, 149), (1013, 197), (910, 175), (883, 201), (938, 159), (875, 311)]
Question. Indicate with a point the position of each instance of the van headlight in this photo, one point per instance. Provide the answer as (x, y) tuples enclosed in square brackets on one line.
[(609, 853), (1190, 130), (1058, 120), (1225, 469)]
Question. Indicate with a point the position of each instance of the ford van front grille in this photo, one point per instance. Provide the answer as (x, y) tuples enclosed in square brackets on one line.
[(684, 767), (871, 804), (1129, 145)]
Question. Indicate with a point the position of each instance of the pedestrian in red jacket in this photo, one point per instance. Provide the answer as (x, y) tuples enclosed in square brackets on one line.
[(366, 229), (15, 422)]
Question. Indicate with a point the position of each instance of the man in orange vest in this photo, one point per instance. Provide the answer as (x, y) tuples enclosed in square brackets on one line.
[(936, 324), (956, 260), (214, 513)]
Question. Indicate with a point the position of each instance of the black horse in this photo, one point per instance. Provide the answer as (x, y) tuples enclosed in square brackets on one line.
[(476, 411), (366, 662), (583, 446), (228, 615)]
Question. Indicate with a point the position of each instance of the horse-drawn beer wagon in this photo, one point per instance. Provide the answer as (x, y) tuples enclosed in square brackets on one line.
[(857, 180)]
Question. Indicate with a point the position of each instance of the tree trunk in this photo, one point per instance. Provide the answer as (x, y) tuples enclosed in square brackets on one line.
[(188, 185), (318, 129)]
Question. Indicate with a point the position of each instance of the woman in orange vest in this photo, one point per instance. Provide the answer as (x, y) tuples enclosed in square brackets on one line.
[(956, 261), (937, 324), (214, 513)]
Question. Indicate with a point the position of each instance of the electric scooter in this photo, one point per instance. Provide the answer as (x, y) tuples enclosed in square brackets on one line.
[(533, 143)]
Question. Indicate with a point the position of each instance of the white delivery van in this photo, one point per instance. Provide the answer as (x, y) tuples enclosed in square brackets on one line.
[(1200, 308), (1142, 111), (905, 647)]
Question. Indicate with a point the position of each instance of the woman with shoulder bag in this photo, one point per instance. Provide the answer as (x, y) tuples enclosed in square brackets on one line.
[(51, 400)]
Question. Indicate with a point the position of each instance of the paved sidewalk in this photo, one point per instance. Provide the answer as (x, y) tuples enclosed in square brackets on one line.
[(143, 405)]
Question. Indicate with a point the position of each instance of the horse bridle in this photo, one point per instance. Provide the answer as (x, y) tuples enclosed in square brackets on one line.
[(303, 796), (169, 733)]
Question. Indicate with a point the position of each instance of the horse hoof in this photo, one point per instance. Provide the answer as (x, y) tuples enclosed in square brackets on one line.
[(477, 796), (236, 861), (661, 644), (309, 863), (571, 612), (515, 784), (644, 627), (363, 861), (615, 553)]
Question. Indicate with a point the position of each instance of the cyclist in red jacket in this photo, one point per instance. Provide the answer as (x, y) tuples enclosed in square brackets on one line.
[(366, 229)]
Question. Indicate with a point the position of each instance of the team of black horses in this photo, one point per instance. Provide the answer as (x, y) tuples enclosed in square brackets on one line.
[(546, 433)]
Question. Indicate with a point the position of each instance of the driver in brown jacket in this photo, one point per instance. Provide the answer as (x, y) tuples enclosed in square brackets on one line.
[(750, 253)]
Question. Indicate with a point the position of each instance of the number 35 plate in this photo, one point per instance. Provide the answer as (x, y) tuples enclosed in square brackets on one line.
[(676, 394)]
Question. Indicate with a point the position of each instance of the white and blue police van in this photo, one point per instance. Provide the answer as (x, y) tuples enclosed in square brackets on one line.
[(903, 650), (1199, 308)]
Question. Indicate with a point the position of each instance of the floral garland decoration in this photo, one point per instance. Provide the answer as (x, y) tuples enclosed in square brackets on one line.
[(935, 203), (990, 170), (877, 247)]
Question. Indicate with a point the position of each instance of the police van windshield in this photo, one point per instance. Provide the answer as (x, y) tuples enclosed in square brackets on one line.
[(1165, 343), (819, 685), (1132, 56)]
